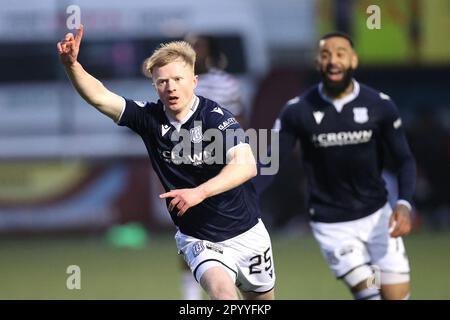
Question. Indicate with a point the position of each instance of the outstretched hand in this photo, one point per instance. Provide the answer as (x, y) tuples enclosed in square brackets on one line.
[(183, 199), (69, 47)]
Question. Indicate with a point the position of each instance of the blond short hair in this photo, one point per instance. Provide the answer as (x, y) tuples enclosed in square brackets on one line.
[(167, 53)]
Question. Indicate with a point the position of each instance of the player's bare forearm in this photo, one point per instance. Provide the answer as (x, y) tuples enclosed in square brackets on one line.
[(94, 92), (87, 86), (241, 167)]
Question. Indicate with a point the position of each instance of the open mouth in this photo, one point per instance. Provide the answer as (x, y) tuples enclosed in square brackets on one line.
[(334, 74), (173, 100)]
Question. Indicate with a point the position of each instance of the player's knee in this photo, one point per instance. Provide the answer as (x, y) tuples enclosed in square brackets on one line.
[(221, 290), (357, 278), (270, 295), (395, 286), (219, 293), (361, 282), (367, 294), (394, 278)]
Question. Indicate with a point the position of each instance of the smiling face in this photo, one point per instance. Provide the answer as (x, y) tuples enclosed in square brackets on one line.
[(175, 83), (336, 62)]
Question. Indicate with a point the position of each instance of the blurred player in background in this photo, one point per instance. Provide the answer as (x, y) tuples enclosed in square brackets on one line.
[(213, 81), (342, 126), (214, 205), (218, 85)]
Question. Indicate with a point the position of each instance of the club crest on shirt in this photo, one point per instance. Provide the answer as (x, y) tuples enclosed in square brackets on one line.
[(360, 115), (318, 116), (164, 129), (196, 134)]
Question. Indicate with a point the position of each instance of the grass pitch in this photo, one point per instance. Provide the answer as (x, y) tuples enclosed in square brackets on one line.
[(35, 268)]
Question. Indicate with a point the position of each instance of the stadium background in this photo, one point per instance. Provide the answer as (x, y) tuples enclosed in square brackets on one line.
[(77, 190)]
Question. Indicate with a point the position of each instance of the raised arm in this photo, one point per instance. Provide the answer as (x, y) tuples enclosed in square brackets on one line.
[(89, 88), (240, 168)]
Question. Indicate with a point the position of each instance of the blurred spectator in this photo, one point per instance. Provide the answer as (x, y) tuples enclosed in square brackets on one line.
[(214, 82)]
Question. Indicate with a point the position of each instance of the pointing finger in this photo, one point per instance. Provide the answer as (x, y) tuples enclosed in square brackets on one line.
[(167, 195), (79, 34)]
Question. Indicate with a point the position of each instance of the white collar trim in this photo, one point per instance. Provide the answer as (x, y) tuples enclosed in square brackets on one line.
[(339, 103), (177, 124)]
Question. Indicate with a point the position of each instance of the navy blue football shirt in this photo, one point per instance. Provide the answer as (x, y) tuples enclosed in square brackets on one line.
[(217, 218), (342, 147)]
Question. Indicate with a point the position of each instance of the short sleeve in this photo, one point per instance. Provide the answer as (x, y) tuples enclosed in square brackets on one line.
[(135, 115)]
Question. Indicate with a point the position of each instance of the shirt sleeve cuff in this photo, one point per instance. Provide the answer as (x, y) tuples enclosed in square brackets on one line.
[(123, 110), (405, 203)]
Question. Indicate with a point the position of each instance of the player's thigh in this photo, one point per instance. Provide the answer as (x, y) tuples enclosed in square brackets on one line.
[(200, 255), (218, 283), (341, 246), (388, 254), (255, 263)]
